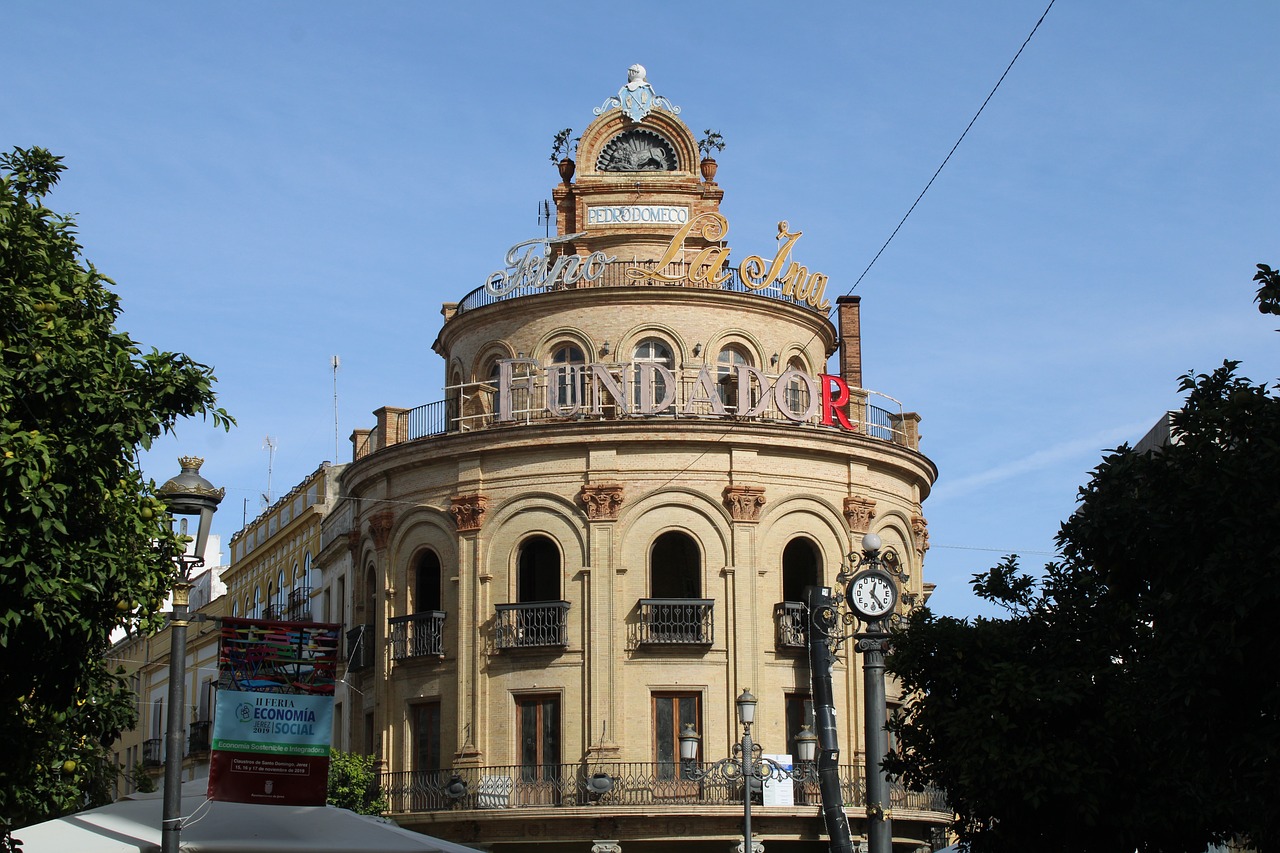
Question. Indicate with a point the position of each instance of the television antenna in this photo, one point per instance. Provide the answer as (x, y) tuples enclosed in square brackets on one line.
[(269, 445), (335, 361), (544, 215)]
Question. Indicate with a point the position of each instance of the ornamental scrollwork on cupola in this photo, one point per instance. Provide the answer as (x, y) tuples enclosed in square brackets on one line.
[(380, 528), (858, 512), (602, 500), (744, 502), (637, 98), (920, 533), (469, 511)]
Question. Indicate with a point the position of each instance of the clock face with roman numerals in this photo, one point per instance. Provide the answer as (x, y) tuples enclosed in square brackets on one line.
[(872, 594)]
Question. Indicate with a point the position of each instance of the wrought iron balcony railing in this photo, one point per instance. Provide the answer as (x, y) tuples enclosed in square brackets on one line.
[(153, 752), (793, 624), (198, 737), (360, 648), (418, 635), (531, 625), (642, 785), (674, 621), (299, 607)]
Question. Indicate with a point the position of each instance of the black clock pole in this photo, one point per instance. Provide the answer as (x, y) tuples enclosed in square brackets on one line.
[(872, 645)]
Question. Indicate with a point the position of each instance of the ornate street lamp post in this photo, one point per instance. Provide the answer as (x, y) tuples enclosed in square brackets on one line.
[(187, 494), (746, 762)]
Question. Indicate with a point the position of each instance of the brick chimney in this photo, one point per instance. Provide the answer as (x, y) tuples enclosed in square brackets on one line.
[(849, 316)]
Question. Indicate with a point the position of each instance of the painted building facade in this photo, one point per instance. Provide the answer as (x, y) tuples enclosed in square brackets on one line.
[(603, 531)]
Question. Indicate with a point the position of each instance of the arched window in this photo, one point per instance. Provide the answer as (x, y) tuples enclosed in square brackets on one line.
[(727, 375), (797, 388), (801, 568), (257, 602), (571, 382), (426, 583), (651, 351), (282, 590), (675, 566), (538, 570), (369, 606)]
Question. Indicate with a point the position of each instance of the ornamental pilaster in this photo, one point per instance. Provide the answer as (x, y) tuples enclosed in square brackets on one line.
[(469, 511), (744, 502), (602, 500), (858, 512), (920, 533), (380, 528)]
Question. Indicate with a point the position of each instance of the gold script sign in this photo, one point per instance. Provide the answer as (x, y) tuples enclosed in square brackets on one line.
[(709, 265)]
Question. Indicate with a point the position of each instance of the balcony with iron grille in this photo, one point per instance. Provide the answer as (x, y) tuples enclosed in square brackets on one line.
[(537, 624), (620, 787), (360, 642), (198, 738), (153, 752), (419, 635), (792, 619), (298, 608), (673, 622)]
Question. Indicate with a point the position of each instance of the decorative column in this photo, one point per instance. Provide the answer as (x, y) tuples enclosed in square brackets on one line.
[(744, 502), (468, 513), (602, 501)]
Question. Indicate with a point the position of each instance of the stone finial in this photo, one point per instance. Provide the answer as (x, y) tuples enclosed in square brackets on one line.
[(380, 528), (602, 500), (858, 512), (744, 502), (468, 511), (920, 532)]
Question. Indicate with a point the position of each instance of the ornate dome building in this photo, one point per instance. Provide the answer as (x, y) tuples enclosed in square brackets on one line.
[(603, 532)]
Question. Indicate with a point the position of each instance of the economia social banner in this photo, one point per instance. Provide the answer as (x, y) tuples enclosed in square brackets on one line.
[(274, 716)]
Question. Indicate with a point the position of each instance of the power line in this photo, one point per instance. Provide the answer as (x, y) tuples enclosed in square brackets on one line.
[(954, 147)]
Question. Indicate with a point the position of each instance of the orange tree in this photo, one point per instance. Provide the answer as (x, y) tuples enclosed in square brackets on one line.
[(85, 546), (1130, 699)]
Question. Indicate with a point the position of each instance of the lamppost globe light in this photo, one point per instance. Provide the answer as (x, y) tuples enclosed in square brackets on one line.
[(871, 542), (689, 743), (806, 745), (746, 708)]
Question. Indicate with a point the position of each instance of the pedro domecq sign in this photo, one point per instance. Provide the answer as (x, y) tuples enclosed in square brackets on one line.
[(529, 263)]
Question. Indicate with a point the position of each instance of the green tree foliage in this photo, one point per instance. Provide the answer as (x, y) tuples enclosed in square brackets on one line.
[(353, 783), (1268, 297), (85, 547), (1131, 698)]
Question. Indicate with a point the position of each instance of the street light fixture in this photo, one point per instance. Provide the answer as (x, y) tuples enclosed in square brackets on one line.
[(187, 494), (746, 762)]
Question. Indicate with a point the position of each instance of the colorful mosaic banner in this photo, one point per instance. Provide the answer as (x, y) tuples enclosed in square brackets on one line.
[(274, 716)]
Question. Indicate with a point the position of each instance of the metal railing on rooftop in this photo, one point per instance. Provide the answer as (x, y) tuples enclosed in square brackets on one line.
[(475, 406), (615, 275)]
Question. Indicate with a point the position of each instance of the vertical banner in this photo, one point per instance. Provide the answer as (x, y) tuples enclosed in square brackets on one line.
[(274, 712)]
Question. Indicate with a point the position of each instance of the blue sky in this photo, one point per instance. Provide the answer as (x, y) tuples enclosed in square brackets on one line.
[(271, 184)]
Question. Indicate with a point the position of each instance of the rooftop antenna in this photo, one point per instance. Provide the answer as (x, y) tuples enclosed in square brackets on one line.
[(335, 361), (544, 215), (269, 445)]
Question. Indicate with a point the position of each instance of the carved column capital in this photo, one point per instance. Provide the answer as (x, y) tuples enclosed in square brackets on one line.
[(858, 512), (469, 511), (353, 542), (380, 528), (744, 502), (920, 532), (602, 500)]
